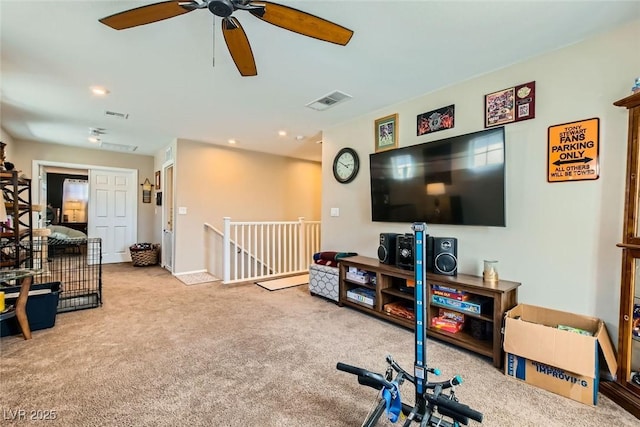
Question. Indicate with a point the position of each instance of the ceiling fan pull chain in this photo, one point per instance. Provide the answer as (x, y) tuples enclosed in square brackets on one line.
[(213, 43)]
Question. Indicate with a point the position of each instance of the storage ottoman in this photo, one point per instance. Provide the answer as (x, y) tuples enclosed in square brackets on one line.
[(324, 281)]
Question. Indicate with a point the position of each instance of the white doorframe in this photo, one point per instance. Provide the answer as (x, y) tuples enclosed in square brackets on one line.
[(168, 214), (37, 166)]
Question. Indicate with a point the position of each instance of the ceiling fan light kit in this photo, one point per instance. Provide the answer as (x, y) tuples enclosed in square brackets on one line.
[(99, 91), (236, 39)]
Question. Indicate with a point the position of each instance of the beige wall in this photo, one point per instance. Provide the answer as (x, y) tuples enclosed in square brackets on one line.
[(24, 152), (7, 139), (213, 182), (560, 239), (301, 189)]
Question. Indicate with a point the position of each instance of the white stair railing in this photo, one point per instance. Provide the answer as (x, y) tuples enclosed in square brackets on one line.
[(258, 250)]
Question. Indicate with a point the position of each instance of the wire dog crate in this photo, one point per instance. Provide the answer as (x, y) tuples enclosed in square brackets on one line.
[(75, 263)]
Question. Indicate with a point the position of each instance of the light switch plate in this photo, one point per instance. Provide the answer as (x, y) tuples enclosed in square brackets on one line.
[(335, 211), (182, 210)]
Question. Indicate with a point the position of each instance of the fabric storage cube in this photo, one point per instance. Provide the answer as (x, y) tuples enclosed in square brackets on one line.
[(324, 281)]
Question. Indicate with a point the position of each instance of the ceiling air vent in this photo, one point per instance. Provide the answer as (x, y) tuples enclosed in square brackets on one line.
[(117, 115), (118, 147), (329, 100)]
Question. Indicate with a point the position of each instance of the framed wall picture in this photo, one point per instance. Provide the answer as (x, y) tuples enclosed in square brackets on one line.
[(435, 120), (146, 196), (386, 133), (146, 191), (157, 180), (499, 107), (510, 105)]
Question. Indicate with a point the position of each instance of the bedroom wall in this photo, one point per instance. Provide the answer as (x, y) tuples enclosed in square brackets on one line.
[(560, 239)]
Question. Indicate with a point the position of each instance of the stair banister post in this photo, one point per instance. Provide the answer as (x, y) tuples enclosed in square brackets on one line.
[(226, 250), (302, 244)]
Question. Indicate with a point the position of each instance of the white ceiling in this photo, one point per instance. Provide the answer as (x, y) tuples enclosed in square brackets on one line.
[(161, 74)]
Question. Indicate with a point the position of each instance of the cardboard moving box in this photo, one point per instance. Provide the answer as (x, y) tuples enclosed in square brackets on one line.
[(561, 361)]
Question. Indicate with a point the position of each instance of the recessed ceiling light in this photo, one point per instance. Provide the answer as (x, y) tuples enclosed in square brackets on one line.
[(232, 141), (99, 90), (282, 132), (94, 139), (299, 137)]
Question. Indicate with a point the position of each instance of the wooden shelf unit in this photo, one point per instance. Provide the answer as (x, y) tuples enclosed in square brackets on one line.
[(500, 297), (16, 240), (623, 390)]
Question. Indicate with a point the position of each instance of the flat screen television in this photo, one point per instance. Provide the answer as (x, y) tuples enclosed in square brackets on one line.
[(458, 180)]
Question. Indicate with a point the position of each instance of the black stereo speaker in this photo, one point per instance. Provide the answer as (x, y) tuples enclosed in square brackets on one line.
[(429, 253), (387, 248), (405, 251), (445, 255)]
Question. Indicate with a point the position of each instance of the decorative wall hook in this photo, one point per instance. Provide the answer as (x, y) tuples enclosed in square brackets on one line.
[(147, 186)]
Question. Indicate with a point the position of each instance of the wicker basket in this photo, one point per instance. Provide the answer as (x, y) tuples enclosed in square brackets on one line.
[(144, 256)]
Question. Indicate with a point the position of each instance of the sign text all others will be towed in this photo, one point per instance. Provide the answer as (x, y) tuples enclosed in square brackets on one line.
[(573, 151)]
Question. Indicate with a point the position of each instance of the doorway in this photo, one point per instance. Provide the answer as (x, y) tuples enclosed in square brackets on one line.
[(112, 204), (67, 193), (167, 217)]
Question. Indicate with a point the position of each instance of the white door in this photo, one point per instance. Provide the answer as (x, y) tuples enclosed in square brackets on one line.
[(113, 212), (167, 218)]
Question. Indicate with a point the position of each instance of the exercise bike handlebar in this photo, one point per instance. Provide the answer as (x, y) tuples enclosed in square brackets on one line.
[(369, 378), (399, 370), (382, 382), (428, 385), (456, 407), (449, 407)]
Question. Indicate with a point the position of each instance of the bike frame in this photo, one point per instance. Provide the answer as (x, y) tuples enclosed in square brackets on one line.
[(420, 310)]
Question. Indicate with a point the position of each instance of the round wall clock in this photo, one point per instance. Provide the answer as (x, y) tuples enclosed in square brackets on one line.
[(346, 165)]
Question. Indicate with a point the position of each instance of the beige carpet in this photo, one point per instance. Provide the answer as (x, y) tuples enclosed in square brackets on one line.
[(159, 353), (284, 283)]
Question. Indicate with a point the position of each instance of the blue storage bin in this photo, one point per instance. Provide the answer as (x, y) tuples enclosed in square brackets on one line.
[(41, 307)]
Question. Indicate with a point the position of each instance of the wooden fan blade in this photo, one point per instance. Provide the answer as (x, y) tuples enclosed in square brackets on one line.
[(239, 47), (301, 22), (148, 14)]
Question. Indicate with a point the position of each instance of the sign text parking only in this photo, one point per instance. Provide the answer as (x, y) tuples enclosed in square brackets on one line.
[(573, 150)]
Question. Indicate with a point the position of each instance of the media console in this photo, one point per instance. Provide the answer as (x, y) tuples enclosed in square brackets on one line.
[(385, 291)]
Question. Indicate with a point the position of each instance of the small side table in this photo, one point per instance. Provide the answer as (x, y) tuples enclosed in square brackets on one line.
[(20, 310)]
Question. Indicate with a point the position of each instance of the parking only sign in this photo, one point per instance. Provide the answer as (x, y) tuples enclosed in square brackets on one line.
[(573, 150)]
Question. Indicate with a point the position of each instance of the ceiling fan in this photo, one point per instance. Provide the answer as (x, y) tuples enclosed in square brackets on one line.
[(236, 39)]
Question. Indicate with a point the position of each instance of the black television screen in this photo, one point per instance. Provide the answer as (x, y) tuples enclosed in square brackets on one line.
[(458, 180)]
